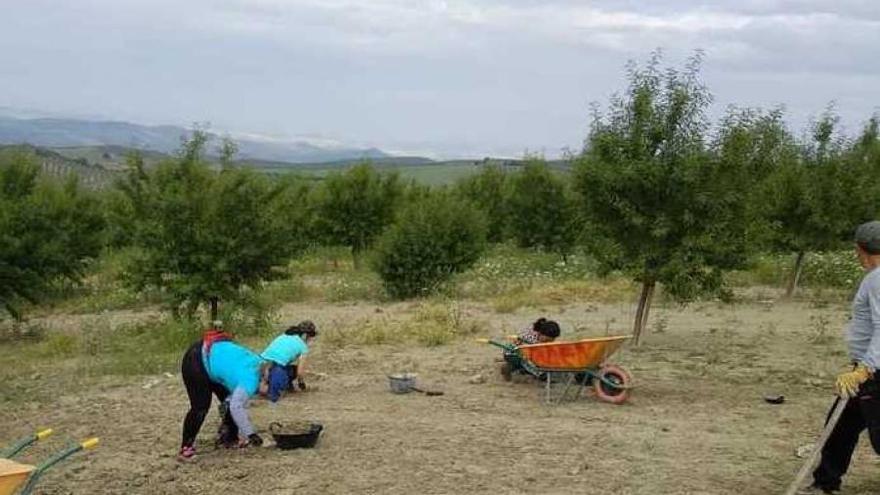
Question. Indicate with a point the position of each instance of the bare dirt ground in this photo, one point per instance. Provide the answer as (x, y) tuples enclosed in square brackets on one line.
[(696, 424)]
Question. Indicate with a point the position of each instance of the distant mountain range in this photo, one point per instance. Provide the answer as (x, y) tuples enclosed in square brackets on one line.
[(67, 133)]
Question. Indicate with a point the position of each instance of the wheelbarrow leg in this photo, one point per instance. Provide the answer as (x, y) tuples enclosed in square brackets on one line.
[(568, 383), (547, 388)]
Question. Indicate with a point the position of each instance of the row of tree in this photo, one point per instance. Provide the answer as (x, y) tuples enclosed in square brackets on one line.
[(656, 194)]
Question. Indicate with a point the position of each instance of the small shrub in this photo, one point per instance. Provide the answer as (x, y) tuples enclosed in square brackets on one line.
[(435, 237), (432, 334), (59, 345)]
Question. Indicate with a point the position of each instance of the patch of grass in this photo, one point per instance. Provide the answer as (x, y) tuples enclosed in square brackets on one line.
[(597, 290), (353, 286), (321, 260), (506, 268), (431, 324), (833, 270), (101, 289)]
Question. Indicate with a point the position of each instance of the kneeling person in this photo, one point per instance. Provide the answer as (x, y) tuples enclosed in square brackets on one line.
[(287, 356)]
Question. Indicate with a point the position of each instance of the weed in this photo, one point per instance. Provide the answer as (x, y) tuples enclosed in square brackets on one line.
[(661, 323), (818, 330), (59, 345)]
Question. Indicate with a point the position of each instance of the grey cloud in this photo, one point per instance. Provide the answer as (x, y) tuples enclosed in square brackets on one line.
[(455, 76)]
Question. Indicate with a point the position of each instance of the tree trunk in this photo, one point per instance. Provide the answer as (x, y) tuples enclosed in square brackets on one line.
[(796, 276), (214, 301), (641, 319)]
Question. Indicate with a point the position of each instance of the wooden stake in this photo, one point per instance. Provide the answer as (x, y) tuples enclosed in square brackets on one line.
[(637, 324)]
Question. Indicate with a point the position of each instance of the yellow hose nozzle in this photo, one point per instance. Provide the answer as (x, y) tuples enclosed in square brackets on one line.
[(44, 433), (90, 443)]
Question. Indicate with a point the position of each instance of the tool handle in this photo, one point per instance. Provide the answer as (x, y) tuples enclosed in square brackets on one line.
[(24, 443), (817, 450), (90, 443), (507, 346)]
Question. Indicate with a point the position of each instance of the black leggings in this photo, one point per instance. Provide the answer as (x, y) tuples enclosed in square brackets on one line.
[(862, 412), (199, 389)]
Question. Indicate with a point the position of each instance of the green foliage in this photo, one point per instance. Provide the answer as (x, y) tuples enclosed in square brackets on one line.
[(352, 208), (659, 206), (814, 202), (49, 231), (831, 269), (754, 145), (542, 210), (202, 236), (434, 238), (489, 190)]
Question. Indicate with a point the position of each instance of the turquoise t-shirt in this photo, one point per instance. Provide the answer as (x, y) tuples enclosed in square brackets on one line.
[(285, 349), (233, 366)]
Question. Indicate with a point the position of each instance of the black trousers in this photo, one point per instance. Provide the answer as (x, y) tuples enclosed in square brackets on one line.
[(862, 412), (199, 388)]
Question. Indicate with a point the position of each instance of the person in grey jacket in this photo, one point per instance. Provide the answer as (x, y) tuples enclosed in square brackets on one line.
[(860, 385)]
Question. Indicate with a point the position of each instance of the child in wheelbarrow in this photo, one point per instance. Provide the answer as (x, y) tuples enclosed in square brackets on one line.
[(542, 330)]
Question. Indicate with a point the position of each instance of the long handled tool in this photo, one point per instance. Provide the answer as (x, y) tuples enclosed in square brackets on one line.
[(810, 463), (55, 459), (426, 392)]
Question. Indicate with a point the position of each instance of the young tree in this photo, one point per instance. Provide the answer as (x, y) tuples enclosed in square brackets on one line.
[(658, 205), (434, 237), (813, 201), (542, 210), (489, 190), (352, 208), (204, 236), (48, 232)]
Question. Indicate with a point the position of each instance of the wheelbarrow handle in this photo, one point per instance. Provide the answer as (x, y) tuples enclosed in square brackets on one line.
[(90, 443), (25, 442), (55, 459), (507, 346)]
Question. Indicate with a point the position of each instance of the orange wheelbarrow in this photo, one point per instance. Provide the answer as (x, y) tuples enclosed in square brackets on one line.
[(14, 474), (581, 362)]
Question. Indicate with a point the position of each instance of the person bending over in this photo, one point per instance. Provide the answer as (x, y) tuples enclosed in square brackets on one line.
[(215, 365)]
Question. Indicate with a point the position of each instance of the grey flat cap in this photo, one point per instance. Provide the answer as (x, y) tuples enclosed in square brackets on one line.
[(868, 236)]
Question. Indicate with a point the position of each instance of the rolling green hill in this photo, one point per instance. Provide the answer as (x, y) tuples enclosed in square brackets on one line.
[(97, 165), (57, 165)]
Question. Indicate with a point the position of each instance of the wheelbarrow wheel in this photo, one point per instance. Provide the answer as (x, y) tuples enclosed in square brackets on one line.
[(611, 384)]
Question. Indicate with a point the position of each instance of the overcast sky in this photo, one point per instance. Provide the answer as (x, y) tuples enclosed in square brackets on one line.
[(449, 78)]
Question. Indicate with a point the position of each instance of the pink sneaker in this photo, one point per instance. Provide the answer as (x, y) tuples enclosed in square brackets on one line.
[(186, 453)]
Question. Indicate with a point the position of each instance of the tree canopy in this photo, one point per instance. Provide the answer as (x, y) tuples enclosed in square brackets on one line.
[(353, 207), (542, 210), (49, 230), (657, 203), (201, 235)]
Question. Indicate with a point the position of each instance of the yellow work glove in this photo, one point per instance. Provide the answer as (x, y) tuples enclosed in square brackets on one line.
[(847, 384)]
